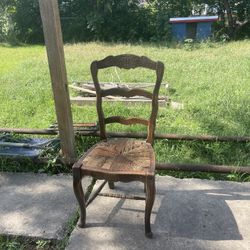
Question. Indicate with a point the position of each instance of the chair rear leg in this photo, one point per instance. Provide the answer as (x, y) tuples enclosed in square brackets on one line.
[(111, 185), (150, 197), (77, 185)]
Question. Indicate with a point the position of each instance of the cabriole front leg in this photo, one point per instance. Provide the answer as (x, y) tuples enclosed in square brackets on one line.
[(77, 185), (150, 197)]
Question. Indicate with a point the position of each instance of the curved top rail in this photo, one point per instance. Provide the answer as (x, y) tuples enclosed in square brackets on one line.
[(126, 61)]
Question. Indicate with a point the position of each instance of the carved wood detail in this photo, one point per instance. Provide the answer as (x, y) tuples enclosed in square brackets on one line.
[(126, 92), (126, 61)]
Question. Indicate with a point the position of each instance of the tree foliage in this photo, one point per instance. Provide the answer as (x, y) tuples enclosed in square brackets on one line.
[(119, 20)]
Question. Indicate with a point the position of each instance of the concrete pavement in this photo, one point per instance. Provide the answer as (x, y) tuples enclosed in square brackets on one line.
[(36, 205), (188, 214)]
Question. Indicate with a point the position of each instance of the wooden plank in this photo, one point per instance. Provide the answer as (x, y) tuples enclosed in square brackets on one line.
[(85, 90), (78, 125), (81, 101), (93, 92), (54, 45), (130, 90), (107, 85)]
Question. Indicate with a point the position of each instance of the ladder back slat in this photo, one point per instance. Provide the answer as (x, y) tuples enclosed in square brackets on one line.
[(126, 121), (126, 92)]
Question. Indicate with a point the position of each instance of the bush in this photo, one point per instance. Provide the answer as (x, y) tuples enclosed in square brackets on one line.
[(112, 20)]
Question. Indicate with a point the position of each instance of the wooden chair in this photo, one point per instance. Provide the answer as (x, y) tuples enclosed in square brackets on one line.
[(122, 160)]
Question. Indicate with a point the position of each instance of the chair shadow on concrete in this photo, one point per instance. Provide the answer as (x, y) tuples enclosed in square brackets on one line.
[(201, 214)]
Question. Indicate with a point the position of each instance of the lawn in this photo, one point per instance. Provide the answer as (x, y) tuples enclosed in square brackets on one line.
[(211, 80)]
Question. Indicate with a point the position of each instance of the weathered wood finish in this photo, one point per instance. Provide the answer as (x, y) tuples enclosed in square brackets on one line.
[(125, 121), (94, 72), (120, 156), (152, 120), (54, 45), (121, 159), (127, 61), (126, 92), (150, 197)]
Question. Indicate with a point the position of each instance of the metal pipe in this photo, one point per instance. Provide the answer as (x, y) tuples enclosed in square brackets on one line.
[(29, 131), (159, 166), (181, 137), (203, 168), (133, 135), (19, 145)]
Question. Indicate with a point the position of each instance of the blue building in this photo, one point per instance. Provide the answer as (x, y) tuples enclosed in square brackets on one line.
[(197, 27)]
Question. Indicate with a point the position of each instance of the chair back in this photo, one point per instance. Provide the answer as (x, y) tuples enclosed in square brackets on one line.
[(127, 61)]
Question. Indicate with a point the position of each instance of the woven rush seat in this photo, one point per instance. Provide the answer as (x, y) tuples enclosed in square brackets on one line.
[(120, 156)]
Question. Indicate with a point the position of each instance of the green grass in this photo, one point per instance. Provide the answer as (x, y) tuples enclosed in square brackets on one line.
[(20, 243), (210, 79)]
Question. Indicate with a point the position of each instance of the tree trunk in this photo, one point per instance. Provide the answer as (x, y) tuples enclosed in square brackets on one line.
[(231, 23)]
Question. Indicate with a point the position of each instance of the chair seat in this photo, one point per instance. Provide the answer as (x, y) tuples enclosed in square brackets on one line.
[(119, 157)]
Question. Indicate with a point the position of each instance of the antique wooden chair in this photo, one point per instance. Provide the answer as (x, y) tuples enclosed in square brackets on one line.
[(122, 160)]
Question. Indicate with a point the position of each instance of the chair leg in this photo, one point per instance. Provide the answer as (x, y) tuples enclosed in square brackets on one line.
[(77, 185), (111, 185), (150, 197)]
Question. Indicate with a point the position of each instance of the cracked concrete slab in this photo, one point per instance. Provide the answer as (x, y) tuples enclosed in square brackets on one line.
[(36, 205), (187, 214)]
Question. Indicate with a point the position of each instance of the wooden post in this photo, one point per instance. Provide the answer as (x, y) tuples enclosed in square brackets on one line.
[(54, 44)]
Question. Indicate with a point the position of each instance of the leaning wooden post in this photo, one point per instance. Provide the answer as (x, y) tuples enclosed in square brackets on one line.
[(54, 44)]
